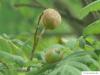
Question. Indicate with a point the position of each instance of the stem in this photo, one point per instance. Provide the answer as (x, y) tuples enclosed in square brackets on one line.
[(36, 38)]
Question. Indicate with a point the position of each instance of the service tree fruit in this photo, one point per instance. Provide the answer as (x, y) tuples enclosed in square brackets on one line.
[(50, 18), (53, 56)]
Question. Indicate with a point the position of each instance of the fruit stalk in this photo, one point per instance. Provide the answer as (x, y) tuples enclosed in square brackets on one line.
[(36, 38)]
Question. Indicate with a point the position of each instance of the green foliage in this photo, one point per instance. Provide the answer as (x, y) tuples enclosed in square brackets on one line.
[(93, 28), (17, 27), (92, 7)]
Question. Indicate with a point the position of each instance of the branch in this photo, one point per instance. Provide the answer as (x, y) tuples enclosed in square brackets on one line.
[(75, 23), (29, 5), (34, 3)]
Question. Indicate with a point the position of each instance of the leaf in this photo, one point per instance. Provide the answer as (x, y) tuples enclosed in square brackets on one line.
[(9, 58), (74, 64), (94, 6), (4, 45), (65, 70), (8, 46), (93, 28), (81, 42), (5, 70), (79, 65), (82, 57)]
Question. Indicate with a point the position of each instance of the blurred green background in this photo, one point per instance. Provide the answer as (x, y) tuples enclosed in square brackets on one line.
[(20, 16), (80, 22)]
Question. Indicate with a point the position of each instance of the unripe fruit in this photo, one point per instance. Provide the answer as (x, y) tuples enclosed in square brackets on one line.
[(50, 18), (53, 56)]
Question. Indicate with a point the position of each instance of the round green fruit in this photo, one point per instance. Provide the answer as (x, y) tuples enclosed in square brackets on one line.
[(53, 56), (51, 18)]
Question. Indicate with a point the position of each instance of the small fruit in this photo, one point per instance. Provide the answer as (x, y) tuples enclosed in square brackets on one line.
[(53, 56), (50, 18)]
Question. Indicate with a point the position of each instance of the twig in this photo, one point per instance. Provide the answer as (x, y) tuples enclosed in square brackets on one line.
[(34, 3), (29, 5)]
